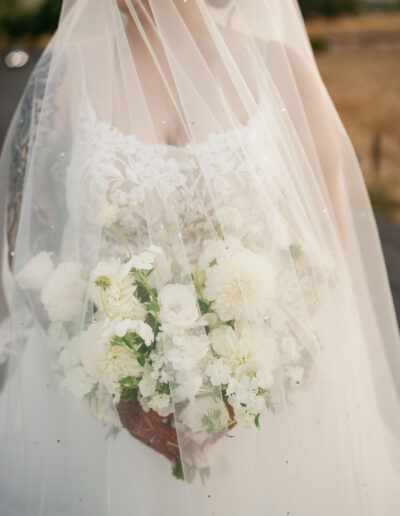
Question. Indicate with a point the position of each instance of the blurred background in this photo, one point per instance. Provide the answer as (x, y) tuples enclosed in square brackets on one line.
[(357, 48)]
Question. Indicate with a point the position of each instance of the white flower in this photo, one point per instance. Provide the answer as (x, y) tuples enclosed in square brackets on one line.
[(178, 306), (265, 379), (213, 249), (185, 352), (256, 405), (105, 362), (115, 291), (219, 372), (103, 407), (244, 390), (58, 336), (212, 320), (63, 292), (147, 384), (243, 417), (161, 403), (143, 261), (229, 218), (108, 215), (77, 382), (206, 415), (188, 384), (36, 272), (241, 285), (69, 356), (122, 326)]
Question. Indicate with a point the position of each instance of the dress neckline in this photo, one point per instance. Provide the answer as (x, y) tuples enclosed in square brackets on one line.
[(189, 146)]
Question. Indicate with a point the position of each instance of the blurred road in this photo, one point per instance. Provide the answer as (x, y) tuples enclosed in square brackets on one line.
[(12, 82)]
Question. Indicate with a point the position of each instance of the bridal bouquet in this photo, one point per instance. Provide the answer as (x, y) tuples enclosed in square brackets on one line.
[(214, 350)]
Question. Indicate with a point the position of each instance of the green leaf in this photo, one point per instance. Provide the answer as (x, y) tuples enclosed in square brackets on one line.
[(177, 470), (142, 293), (257, 420), (153, 306), (141, 359)]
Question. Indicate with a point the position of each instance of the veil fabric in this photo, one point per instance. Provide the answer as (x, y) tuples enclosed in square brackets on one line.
[(191, 145)]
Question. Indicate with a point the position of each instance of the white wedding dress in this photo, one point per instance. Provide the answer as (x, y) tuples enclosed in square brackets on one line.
[(327, 453)]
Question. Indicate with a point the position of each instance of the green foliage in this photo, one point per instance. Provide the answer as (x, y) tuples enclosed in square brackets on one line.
[(177, 471), (328, 7), (17, 21)]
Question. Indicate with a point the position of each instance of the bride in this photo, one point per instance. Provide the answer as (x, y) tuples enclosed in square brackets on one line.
[(201, 322)]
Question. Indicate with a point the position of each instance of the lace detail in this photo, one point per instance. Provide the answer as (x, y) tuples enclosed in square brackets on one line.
[(110, 167)]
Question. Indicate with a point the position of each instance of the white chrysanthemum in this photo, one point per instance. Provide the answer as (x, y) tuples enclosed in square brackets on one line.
[(107, 363), (205, 414), (229, 218), (161, 403), (241, 286), (178, 306), (77, 382), (219, 372), (108, 215), (116, 292), (36, 272), (63, 292)]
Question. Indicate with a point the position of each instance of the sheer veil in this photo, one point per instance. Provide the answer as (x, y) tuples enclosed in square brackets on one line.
[(167, 125)]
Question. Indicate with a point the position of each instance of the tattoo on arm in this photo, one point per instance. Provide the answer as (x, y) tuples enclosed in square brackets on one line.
[(24, 138)]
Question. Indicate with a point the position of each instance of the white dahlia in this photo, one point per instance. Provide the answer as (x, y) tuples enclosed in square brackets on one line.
[(105, 362), (113, 291), (240, 285)]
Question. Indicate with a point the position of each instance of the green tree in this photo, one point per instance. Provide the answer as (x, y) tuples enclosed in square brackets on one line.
[(328, 7)]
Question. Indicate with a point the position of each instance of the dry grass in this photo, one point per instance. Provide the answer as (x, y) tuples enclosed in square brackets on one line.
[(361, 69)]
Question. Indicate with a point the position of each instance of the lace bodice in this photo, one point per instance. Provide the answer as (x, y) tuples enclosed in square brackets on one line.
[(110, 167)]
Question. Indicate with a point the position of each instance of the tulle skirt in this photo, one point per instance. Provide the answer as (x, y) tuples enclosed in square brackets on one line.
[(329, 452)]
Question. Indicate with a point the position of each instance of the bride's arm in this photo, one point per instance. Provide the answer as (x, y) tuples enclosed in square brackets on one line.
[(22, 141), (312, 116)]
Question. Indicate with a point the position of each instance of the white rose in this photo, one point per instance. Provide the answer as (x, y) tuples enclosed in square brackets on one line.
[(63, 292), (178, 306), (36, 272), (224, 341)]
